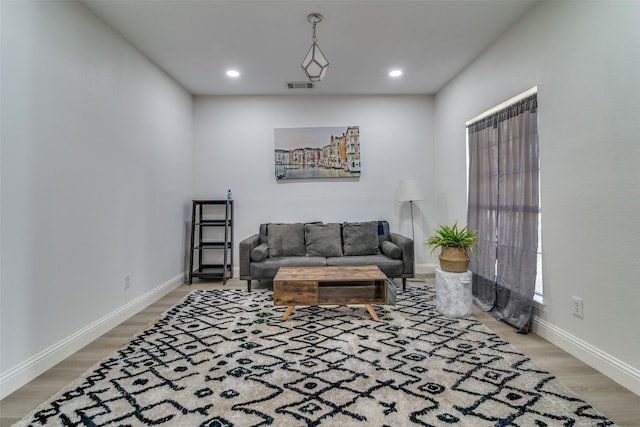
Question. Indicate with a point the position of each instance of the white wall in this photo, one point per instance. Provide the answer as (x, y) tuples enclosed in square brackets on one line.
[(584, 57), (234, 139), (96, 181)]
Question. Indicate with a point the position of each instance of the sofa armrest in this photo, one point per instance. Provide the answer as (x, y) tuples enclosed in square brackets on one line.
[(245, 247), (408, 258)]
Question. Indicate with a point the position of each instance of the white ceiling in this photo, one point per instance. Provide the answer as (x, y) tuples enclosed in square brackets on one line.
[(196, 41)]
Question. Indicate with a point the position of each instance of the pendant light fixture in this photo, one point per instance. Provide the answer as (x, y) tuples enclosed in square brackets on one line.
[(315, 64)]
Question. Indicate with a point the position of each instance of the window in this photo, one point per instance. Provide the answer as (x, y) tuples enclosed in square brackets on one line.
[(539, 288)]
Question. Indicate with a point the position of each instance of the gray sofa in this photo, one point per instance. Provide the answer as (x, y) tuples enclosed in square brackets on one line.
[(318, 244)]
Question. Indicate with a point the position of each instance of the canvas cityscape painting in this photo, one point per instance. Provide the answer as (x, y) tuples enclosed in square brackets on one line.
[(321, 152)]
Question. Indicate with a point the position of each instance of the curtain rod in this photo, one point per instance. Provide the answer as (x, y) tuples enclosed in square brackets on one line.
[(503, 105)]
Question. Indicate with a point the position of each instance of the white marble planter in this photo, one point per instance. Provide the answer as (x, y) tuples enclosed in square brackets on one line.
[(454, 297)]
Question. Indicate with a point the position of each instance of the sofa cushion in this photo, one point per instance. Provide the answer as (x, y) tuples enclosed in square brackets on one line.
[(383, 231), (360, 238), (286, 240), (260, 252), (268, 268), (264, 236), (323, 240), (391, 250)]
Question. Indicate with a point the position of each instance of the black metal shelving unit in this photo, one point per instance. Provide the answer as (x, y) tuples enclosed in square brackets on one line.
[(211, 240)]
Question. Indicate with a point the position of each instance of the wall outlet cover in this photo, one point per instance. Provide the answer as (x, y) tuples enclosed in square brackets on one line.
[(577, 307)]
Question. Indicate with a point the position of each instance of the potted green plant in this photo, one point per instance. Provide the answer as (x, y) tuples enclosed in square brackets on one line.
[(455, 245)]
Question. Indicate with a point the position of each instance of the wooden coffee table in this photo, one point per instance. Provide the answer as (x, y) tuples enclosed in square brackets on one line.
[(340, 285)]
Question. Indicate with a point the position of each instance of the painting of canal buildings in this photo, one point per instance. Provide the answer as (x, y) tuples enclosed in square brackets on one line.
[(322, 152)]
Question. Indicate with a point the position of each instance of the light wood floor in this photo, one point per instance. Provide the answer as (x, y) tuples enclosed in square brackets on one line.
[(616, 402)]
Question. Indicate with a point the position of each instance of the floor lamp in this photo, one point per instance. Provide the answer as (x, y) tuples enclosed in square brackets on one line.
[(409, 191)]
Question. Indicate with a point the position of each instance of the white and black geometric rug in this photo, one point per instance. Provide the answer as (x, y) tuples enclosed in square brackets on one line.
[(225, 358)]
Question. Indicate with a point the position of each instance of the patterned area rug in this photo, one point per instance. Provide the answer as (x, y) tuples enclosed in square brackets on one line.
[(226, 358)]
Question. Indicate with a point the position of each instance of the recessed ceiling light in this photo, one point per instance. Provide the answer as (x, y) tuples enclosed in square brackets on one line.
[(395, 73), (233, 73)]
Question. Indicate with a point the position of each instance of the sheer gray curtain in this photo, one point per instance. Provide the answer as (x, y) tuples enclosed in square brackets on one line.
[(503, 207)]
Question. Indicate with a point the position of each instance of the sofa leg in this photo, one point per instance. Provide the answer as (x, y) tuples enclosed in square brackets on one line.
[(248, 285), (404, 283)]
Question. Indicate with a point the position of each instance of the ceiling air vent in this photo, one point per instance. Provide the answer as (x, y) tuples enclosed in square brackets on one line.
[(300, 85)]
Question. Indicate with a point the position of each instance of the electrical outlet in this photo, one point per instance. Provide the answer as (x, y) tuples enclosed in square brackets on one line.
[(127, 281), (577, 307)]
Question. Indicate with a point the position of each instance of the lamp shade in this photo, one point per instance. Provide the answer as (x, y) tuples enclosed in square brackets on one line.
[(408, 190), (315, 64)]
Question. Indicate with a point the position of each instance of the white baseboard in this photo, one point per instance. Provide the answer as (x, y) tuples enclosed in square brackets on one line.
[(617, 370), (26, 371), (426, 268)]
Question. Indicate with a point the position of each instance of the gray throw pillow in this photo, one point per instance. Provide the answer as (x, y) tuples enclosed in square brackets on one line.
[(323, 240), (360, 238), (286, 240), (260, 252), (391, 250)]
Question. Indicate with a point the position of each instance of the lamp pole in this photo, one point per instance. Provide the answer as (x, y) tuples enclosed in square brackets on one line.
[(409, 190), (413, 235)]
